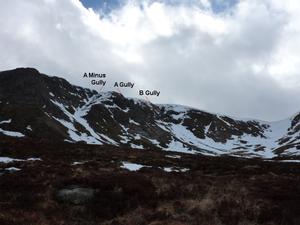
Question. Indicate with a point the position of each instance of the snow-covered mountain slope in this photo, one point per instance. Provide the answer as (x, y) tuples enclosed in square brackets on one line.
[(37, 106)]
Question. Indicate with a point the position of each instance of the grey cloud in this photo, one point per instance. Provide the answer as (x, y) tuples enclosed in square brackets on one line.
[(207, 70)]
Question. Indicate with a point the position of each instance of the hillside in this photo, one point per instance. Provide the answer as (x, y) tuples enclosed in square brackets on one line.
[(34, 105), (78, 184)]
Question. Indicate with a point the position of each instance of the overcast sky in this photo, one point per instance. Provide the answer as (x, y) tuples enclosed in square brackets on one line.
[(240, 58)]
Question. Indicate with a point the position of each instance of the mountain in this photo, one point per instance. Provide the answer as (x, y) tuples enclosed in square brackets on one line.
[(37, 106)]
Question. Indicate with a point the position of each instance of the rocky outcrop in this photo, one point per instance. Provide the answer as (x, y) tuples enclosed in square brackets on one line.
[(34, 105)]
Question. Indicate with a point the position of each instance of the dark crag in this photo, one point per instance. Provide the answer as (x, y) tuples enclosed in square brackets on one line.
[(50, 108), (46, 180)]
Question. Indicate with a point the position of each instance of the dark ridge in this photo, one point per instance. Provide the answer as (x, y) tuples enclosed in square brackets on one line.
[(46, 107)]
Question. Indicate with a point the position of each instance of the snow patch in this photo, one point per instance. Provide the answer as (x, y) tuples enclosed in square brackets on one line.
[(173, 156), (133, 122), (10, 160), (136, 146), (5, 121), (172, 169), (132, 166), (290, 160), (79, 163), (12, 169), (11, 133)]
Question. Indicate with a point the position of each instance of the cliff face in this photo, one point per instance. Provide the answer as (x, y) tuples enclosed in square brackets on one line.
[(37, 106)]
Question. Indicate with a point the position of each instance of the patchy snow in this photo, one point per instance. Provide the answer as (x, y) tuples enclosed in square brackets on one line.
[(108, 139), (179, 116), (168, 169), (186, 136), (178, 146), (182, 137), (173, 156), (132, 166), (79, 117), (12, 169), (10, 160), (11, 133), (175, 108), (178, 109), (34, 159), (172, 169), (74, 134), (184, 169), (126, 110), (89, 136), (161, 125), (5, 121), (137, 137), (153, 141), (79, 163), (50, 93), (74, 94), (275, 131), (291, 151), (136, 146), (224, 121), (125, 139), (133, 122), (124, 128), (290, 160)]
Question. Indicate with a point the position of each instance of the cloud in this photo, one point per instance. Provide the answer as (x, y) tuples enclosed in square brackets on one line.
[(241, 61)]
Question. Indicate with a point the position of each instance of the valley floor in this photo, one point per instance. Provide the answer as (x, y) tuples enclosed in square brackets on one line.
[(77, 184)]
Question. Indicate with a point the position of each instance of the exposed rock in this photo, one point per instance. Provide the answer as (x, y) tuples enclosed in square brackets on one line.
[(56, 110)]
